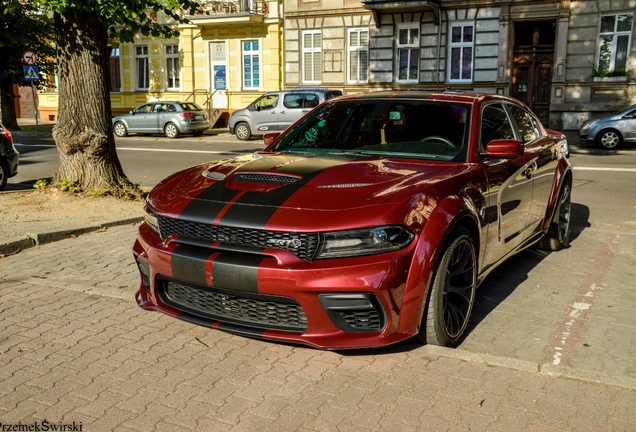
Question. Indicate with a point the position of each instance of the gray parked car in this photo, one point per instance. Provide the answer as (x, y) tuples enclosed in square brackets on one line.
[(276, 111), (610, 131), (172, 118)]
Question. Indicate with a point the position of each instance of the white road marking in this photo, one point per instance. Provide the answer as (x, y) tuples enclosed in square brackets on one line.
[(604, 169)]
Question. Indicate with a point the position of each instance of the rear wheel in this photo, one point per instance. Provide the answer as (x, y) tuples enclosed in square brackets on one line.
[(452, 293), (557, 236), (4, 173), (120, 129), (242, 131), (172, 131), (609, 139)]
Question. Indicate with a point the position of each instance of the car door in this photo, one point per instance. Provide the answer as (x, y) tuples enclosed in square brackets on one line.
[(509, 186), (543, 154), (265, 113), (629, 133), (296, 105), (137, 122)]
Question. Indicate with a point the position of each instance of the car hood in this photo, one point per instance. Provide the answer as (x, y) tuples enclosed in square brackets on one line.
[(261, 184)]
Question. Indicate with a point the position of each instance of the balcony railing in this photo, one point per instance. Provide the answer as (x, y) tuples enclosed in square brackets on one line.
[(230, 7)]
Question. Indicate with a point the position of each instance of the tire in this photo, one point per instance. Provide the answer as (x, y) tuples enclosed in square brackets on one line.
[(120, 129), (452, 293), (557, 236), (4, 173), (609, 139), (242, 131), (197, 133), (172, 131)]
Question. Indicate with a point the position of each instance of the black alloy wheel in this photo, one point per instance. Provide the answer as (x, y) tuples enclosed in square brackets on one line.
[(451, 296)]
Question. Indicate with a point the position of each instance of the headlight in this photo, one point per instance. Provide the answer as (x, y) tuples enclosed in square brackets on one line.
[(151, 219), (369, 241)]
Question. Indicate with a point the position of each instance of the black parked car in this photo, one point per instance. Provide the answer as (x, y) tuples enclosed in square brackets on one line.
[(8, 157)]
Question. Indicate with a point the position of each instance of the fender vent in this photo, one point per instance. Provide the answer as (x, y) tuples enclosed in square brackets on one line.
[(266, 178)]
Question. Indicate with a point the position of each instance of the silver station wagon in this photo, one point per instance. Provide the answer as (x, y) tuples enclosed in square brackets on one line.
[(169, 117)]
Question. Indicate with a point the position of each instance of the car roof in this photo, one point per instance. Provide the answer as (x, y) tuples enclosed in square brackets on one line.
[(445, 96)]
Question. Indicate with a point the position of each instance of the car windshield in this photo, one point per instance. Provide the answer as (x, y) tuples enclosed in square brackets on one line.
[(388, 127)]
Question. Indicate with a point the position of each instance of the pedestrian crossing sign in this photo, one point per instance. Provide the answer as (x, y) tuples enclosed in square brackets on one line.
[(31, 73)]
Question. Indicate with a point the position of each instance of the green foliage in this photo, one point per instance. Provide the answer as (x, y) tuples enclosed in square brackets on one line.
[(97, 193), (42, 184), (67, 185), (126, 18), (620, 72), (25, 28)]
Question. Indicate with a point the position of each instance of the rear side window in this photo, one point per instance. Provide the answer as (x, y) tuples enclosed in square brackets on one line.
[(301, 100), (189, 106), (495, 124)]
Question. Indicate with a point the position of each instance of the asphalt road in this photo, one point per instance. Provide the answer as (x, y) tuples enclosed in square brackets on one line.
[(145, 159)]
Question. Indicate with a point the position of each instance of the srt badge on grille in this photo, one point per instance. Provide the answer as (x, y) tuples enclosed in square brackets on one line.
[(286, 243)]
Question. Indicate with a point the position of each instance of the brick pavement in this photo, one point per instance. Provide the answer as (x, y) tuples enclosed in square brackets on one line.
[(74, 347)]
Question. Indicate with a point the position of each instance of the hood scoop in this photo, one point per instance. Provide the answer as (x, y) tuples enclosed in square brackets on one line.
[(266, 177)]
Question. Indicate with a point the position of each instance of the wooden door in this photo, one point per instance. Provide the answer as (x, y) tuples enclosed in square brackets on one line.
[(532, 65)]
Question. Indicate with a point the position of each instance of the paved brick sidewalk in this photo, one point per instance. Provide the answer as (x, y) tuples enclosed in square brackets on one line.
[(74, 347)]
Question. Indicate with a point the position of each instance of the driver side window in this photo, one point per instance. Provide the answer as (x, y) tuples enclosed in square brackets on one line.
[(495, 124), (143, 109), (267, 102)]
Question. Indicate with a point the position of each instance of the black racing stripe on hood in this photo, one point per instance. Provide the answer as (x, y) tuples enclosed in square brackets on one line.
[(208, 204), (188, 264), (236, 272), (269, 202)]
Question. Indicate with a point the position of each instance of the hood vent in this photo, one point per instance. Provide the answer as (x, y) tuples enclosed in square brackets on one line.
[(266, 178)]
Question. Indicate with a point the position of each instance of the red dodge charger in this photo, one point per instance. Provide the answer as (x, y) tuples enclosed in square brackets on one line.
[(371, 220)]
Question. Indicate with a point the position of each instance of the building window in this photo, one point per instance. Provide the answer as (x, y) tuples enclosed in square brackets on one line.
[(113, 66), (358, 47), (461, 46), (251, 65), (408, 53), (173, 68), (141, 63), (312, 56), (614, 42)]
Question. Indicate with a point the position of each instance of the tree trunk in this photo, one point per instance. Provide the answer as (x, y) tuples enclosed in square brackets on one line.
[(83, 133), (9, 119)]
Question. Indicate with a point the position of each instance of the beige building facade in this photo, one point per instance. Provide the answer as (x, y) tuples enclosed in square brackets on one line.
[(568, 60)]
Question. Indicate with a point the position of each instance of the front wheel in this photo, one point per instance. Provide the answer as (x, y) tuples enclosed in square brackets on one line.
[(609, 139), (452, 293), (120, 129), (4, 174), (243, 131), (557, 236), (172, 131)]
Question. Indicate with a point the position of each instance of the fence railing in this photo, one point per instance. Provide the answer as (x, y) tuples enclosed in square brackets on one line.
[(228, 7)]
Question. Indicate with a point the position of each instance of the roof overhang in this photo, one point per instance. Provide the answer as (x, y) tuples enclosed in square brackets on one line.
[(378, 7)]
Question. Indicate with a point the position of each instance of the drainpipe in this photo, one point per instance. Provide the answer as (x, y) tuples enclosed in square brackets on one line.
[(439, 44)]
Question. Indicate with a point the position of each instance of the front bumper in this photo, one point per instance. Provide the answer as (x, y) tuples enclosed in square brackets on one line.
[(329, 304)]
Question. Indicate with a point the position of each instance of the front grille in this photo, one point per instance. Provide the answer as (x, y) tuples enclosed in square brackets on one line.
[(266, 178), (248, 309), (303, 245)]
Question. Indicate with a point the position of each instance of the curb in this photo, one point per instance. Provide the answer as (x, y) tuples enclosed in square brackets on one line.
[(21, 243)]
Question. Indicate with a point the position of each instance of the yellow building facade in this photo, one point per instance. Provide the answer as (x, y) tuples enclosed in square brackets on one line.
[(222, 60)]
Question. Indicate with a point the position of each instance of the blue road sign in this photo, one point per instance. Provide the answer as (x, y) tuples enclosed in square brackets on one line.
[(31, 73)]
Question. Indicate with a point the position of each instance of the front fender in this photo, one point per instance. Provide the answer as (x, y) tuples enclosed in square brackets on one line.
[(448, 214)]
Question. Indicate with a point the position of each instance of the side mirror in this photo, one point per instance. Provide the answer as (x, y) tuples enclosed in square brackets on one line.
[(131, 112), (504, 149), (270, 137)]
